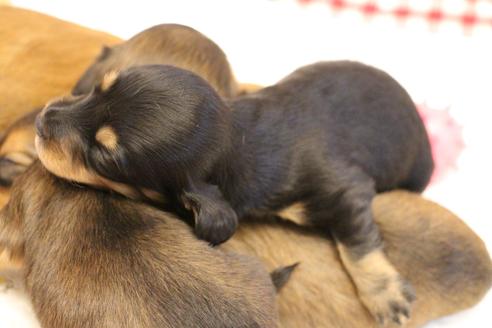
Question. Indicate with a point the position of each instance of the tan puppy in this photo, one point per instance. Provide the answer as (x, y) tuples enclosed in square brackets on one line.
[(165, 44), (41, 57), (92, 259), (446, 262)]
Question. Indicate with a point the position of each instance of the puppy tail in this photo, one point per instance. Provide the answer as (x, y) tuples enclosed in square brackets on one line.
[(281, 276)]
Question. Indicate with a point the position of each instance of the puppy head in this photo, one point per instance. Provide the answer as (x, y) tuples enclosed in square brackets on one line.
[(149, 126), (17, 149), (165, 44)]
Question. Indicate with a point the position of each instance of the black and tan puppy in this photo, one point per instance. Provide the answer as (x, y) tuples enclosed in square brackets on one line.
[(96, 259), (316, 146), (172, 44), (169, 44)]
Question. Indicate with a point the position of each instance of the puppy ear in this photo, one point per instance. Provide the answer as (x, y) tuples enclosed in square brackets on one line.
[(215, 220), (105, 53)]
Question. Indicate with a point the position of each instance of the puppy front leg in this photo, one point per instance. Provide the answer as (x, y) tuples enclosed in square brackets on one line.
[(381, 288), (215, 220)]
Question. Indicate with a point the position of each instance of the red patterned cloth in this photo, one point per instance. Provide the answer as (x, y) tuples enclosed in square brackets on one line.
[(468, 13)]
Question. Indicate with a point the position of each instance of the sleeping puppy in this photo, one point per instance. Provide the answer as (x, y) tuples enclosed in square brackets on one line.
[(173, 44), (317, 146), (169, 44), (96, 259), (17, 143), (447, 263)]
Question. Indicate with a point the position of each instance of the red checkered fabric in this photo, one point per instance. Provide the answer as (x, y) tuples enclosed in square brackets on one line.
[(468, 13)]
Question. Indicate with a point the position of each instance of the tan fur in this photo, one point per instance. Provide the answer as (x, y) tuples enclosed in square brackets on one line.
[(124, 264), (54, 157), (107, 137), (14, 144), (246, 88), (9, 263), (168, 44), (10, 269), (4, 196), (108, 80), (41, 57), (446, 262), (295, 213), (56, 160), (377, 281), (17, 149)]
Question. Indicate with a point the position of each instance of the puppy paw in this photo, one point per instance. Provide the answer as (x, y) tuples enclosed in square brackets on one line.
[(215, 220), (390, 302), (216, 225), (381, 289)]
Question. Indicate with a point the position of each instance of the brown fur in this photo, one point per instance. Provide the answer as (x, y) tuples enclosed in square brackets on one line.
[(246, 88), (91, 259), (446, 262), (4, 196), (29, 44), (169, 44)]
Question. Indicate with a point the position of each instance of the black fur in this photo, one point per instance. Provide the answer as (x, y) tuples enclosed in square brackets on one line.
[(329, 135), (281, 276)]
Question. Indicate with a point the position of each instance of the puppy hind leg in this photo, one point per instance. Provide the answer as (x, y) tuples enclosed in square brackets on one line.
[(348, 216)]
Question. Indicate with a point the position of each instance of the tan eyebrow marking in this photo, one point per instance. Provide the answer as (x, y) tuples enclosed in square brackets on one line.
[(109, 79), (107, 137)]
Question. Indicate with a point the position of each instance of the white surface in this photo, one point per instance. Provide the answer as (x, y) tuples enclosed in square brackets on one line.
[(266, 40)]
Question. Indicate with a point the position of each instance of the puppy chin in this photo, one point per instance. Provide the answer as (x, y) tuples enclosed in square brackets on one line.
[(56, 161)]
